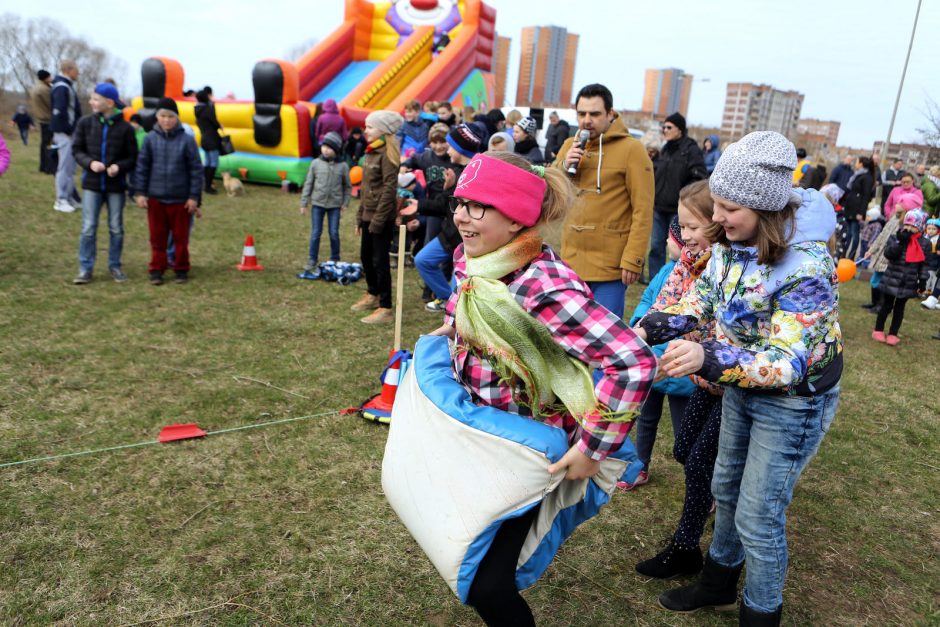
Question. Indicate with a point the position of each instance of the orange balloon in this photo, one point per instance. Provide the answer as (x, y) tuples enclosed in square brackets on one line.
[(355, 174), (845, 270)]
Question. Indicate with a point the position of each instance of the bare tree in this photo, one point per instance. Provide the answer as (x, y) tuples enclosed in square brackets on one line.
[(27, 46), (930, 134), (294, 53)]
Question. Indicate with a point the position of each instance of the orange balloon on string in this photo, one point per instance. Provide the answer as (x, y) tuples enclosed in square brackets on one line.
[(845, 270)]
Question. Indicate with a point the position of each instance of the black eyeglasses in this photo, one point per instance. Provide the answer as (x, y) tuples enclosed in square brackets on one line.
[(475, 210), (668, 127)]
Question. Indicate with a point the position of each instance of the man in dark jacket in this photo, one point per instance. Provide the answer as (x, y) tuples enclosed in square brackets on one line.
[(105, 146), (555, 135), (66, 110), (842, 173), (169, 182), (680, 162)]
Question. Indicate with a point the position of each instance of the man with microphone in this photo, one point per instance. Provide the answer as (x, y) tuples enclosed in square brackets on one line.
[(607, 232)]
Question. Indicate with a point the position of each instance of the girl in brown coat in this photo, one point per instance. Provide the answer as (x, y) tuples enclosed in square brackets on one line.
[(375, 221)]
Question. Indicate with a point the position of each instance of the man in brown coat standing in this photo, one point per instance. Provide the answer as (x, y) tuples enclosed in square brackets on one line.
[(607, 231), (40, 102)]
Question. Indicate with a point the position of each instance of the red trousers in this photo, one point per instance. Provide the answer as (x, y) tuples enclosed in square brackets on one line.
[(164, 218)]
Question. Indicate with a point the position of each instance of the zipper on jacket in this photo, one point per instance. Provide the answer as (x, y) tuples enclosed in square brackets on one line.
[(104, 147)]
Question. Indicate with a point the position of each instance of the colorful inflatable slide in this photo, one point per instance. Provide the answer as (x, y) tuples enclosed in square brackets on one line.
[(382, 55)]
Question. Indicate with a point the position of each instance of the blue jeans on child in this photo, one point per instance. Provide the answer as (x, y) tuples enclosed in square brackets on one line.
[(766, 441), (647, 423), (610, 294), (316, 230), (87, 241), (428, 262)]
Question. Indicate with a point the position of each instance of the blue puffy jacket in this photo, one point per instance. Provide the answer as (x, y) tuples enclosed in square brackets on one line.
[(682, 386), (168, 166)]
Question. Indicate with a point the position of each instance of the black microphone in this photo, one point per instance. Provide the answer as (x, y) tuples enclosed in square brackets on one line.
[(583, 138)]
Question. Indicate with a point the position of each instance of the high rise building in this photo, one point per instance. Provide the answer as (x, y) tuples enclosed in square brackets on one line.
[(501, 69), (825, 129), (750, 107), (546, 66), (667, 91)]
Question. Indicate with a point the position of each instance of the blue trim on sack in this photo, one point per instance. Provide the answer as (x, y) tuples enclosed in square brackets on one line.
[(436, 380)]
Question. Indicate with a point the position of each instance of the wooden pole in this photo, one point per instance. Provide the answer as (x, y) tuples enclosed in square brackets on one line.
[(400, 284)]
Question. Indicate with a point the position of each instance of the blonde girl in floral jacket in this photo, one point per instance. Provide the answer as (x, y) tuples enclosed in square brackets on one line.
[(771, 290)]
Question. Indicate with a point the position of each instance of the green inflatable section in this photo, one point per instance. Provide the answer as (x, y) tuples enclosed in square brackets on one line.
[(261, 169)]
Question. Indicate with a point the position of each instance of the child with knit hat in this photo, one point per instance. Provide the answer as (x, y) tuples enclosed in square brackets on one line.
[(463, 142), (527, 335), (524, 134), (905, 277), (105, 146), (375, 222), (327, 190), (771, 290), (168, 181)]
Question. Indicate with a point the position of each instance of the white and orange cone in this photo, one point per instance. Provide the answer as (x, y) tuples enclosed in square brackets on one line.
[(379, 407), (249, 257)]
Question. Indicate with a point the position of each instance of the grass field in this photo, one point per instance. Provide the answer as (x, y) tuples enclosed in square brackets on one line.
[(287, 524)]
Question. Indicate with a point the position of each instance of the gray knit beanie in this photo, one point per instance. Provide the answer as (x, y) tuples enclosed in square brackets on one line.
[(756, 172), (387, 122)]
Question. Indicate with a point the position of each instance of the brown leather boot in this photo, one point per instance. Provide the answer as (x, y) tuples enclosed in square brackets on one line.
[(367, 302), (380, 316)]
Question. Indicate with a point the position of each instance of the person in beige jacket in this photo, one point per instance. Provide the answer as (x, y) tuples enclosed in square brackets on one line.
[(40, 103), (607, 231)]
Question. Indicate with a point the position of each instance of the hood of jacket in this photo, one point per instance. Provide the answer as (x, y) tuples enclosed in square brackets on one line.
[(716, 142), (329, 106), (815, 219)]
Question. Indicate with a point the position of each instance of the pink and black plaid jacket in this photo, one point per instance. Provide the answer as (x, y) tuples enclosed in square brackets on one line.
[(555, 296)]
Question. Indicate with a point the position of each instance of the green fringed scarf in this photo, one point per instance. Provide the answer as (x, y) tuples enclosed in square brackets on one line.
[(519, 347)]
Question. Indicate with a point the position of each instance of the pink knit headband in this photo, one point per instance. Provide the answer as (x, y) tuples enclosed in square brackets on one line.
[(516, 193)]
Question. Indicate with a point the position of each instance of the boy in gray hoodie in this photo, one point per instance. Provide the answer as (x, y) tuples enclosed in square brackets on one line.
[(328, 189)]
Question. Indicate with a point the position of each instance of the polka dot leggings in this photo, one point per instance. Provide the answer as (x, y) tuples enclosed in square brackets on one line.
[(696, 449)]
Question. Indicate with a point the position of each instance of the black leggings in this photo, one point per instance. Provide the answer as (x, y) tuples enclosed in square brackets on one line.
[(890, 303), (493, 593), (373, 251), (696, 449)]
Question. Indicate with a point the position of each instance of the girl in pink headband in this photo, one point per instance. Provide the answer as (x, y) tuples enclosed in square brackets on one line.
[(528, 335)]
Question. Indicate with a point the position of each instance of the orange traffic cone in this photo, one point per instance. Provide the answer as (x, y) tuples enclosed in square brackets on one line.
[(249, 258), (379, 407)]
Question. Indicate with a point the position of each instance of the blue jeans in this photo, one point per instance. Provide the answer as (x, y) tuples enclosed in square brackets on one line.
[(87, 241), (316, 230), (212, 158), (765, 443), (65, 174), (171, 245), (852, 237), (428, 262), (661, 220), (647, 423), (610, 294)]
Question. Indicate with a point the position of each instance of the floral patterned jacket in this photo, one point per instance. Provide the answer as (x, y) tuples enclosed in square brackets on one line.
[(775, 326)]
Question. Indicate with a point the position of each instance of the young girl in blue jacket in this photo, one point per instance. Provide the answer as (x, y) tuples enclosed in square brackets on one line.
[(770, 288)]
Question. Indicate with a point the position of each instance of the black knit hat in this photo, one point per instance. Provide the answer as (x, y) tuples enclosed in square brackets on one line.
[(677, 119), (42, 75), (169, 104), (465, 139), (333, 140)]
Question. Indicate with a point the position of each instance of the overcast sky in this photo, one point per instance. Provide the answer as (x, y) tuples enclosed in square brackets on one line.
[(845, 56)]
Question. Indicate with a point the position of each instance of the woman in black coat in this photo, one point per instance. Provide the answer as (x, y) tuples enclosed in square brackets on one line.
[(209, 128), (861, 189)]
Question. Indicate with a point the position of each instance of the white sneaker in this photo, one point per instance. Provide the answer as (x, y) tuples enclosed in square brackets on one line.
[(931, 303), (64, 206)]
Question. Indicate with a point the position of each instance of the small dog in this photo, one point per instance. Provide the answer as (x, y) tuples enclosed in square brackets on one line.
[(233, 187)]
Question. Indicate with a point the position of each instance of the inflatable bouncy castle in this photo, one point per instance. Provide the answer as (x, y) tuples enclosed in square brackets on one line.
[(382, 55)]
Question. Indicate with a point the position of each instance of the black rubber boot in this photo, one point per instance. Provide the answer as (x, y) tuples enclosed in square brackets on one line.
[(748, 617), (716, 587), (209, 174), (672, 562)]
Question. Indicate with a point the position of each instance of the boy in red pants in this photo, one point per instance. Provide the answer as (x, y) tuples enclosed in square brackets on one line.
[(168, 180)]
